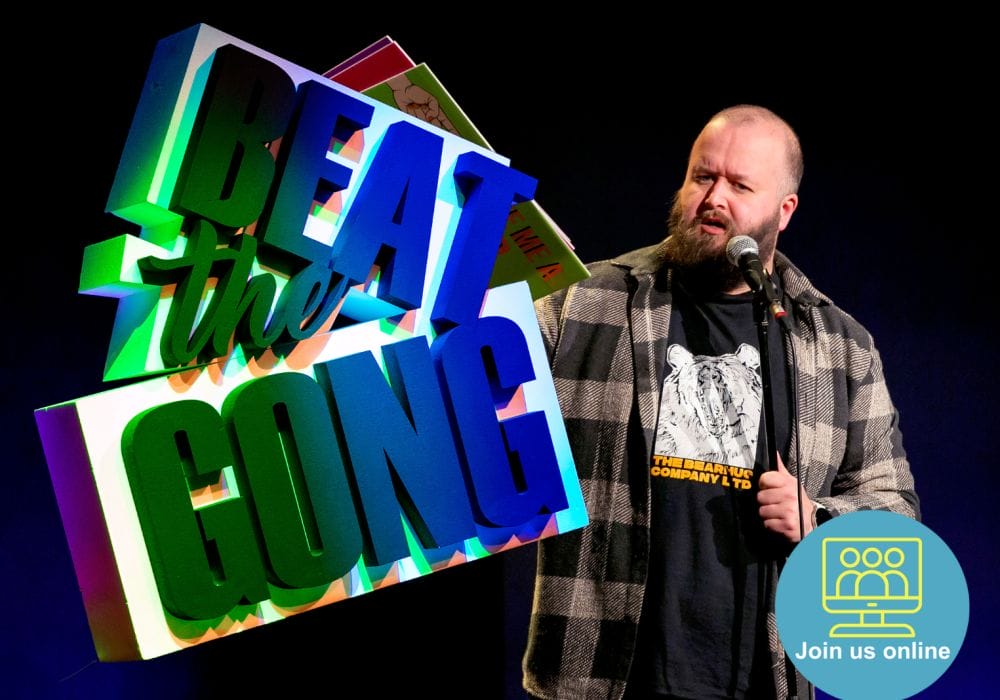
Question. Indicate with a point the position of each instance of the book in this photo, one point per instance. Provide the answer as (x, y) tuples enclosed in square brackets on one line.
[(370, 66), (533, 247)]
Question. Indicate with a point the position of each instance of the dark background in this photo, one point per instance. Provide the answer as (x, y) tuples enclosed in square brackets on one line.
[(896, 208)]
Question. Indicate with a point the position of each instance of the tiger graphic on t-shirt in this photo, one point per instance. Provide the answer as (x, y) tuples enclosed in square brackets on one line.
[(710, 406)]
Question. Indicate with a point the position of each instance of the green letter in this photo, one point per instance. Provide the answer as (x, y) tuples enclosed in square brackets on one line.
[(227, 169), (296, 475), (205, 561)]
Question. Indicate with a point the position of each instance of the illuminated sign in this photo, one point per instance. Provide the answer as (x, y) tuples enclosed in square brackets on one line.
[(337, 402)]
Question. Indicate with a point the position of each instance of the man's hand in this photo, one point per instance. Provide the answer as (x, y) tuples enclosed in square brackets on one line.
[(779, 508)]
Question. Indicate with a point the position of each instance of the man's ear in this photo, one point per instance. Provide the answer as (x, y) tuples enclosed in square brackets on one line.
[(788, 205)]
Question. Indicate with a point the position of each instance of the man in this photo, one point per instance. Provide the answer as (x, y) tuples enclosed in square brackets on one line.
[(669, 592)]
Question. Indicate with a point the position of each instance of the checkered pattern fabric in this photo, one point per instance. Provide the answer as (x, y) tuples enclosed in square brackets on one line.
[(607, 340)]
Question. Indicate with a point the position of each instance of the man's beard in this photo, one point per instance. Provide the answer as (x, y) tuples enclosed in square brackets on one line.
[(702, 258)]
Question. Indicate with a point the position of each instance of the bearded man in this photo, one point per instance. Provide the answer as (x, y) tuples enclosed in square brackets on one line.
[(669, 592)]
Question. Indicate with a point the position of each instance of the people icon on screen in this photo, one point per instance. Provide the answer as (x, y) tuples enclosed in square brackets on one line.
[(873, 579)]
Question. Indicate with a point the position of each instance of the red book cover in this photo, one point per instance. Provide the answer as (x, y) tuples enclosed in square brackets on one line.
[(371, 66), (358, 57)]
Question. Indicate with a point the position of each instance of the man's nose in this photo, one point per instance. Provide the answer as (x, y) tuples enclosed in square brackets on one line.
[(715, 196)]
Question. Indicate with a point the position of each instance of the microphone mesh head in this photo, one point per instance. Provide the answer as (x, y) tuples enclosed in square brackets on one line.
[(738, 246)]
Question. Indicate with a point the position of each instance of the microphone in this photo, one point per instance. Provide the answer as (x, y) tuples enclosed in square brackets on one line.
[(742, 252)]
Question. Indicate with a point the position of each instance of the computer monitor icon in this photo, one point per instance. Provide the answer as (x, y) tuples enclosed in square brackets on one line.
[(872, 577)]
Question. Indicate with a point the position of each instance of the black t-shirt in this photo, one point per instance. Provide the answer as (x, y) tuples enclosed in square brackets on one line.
[(703, 632)]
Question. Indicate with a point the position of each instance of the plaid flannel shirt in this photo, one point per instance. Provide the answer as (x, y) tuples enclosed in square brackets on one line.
[(607, 343)]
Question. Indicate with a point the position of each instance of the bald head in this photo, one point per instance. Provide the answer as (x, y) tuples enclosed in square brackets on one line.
[(745, 115)]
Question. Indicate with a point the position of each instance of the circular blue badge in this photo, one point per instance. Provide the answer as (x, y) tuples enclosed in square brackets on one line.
[(872, 605)]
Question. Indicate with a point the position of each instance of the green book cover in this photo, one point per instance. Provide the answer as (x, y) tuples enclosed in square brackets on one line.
[(533, 248), (419, 93)]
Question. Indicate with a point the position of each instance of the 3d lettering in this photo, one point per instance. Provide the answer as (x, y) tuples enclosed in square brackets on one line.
[(227, 169), (293, 472), (511, 462), (490, 188), (333, 400), (322, 114), (201, 560), (390, 222)]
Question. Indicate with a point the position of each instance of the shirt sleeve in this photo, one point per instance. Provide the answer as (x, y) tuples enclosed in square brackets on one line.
[(875, 473)]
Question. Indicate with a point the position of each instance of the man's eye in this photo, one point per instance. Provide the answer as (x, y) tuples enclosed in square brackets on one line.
[(740, 187), (702, 179)]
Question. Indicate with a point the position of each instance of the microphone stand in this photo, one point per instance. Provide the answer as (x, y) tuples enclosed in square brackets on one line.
[(764, 305), (761, 307), (742, 251)]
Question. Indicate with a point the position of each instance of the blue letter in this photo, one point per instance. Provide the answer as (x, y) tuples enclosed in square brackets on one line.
[(512, 464), (390, 220), (401, 448), (490, 188)]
